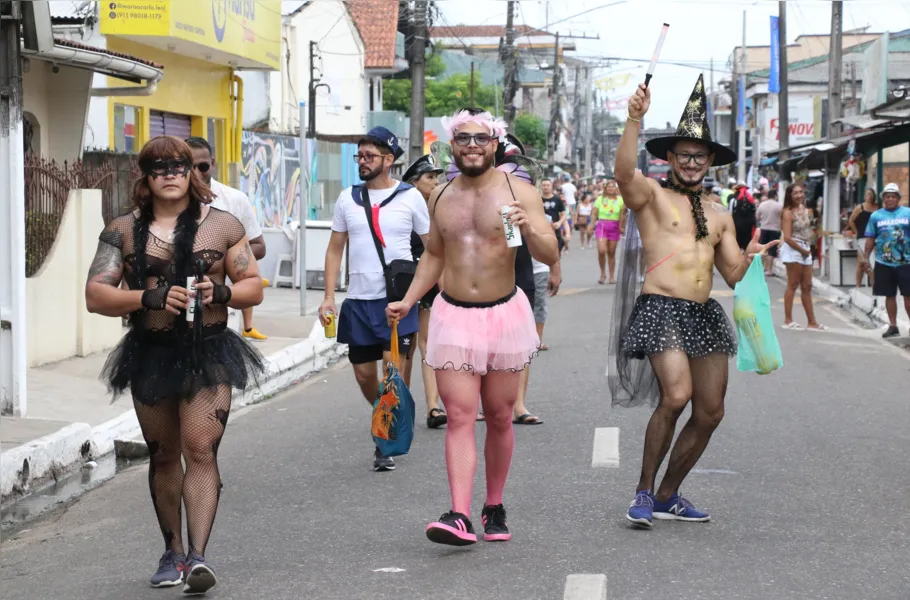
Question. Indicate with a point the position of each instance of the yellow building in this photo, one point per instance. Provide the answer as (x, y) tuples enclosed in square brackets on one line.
[(201, 44)]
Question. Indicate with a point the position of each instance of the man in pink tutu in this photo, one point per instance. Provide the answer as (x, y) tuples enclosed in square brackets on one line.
[(482, 332)]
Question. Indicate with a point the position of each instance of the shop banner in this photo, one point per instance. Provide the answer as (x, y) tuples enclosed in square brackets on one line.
[(774, 74), (804, 125)]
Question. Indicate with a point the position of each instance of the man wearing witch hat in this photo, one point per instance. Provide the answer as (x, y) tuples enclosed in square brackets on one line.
[(672, 342)]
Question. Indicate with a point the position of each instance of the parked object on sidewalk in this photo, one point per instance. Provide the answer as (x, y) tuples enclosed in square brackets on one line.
[(393, 412), (759, 350)]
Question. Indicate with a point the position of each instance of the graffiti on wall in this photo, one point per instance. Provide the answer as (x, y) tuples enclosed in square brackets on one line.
[(270, 176)]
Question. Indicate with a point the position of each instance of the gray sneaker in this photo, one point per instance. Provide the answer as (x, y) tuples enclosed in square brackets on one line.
[(200, 577), (170, 570), (891, 332), (382, 463)]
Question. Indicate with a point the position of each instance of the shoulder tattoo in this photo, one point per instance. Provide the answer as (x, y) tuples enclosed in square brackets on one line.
[(107, 266)]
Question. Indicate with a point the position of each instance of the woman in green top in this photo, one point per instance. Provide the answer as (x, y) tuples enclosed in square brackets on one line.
[(609, 224)]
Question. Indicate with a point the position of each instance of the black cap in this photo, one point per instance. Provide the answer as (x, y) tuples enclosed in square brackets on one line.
[(383, 138), (424, 164)]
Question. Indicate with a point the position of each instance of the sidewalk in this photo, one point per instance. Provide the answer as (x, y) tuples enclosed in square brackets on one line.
[(851, 297), (71, 419)]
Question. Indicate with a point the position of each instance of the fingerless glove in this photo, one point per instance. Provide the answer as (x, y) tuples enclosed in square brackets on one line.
[(155, 298), (221, 294)]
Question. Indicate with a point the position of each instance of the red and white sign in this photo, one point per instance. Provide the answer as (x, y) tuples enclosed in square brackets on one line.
[(802, 126)]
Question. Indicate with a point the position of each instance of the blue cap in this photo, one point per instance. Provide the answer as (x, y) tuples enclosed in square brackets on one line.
[(383, 137)]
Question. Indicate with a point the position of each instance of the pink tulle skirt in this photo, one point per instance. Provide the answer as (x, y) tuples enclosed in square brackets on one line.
[(492, 336)]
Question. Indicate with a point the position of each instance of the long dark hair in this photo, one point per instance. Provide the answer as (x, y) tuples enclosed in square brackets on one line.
[(788, 195), (167, 148)]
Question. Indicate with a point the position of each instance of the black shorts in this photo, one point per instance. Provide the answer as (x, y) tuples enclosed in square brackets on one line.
[(889, 279), (768, 236), (359, 355)]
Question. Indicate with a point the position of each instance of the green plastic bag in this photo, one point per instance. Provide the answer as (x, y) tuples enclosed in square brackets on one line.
[(759, 351)]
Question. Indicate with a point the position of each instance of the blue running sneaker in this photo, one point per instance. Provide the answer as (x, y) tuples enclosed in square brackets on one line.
[(678, 508), (642, 508), (170, 570), (200, 577)]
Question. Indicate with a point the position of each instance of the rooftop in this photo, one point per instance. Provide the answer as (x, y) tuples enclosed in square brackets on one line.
[(71, 44), (377, 21)]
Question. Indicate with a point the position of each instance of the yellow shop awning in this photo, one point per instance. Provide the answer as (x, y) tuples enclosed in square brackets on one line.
[(244, 34)]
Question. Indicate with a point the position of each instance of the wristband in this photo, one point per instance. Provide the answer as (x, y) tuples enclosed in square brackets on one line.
[(221, 294), (155, 298), (629, 117)]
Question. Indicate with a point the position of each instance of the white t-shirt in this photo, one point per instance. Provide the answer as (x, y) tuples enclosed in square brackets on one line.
[(238, 204), (406, 212), (568, 192)]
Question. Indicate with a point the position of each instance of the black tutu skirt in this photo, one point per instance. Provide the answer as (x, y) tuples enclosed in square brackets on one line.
[(660, 323), (158, 366)]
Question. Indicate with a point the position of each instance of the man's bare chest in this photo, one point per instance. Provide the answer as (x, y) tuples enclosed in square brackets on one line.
[(676, 217), (476, 214)]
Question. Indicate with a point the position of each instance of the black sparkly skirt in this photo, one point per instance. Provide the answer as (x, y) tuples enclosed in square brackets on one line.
[(159, 366), (660, 323)]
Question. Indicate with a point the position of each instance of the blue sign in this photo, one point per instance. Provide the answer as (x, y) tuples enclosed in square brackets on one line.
[(741, 108), (774, 75)]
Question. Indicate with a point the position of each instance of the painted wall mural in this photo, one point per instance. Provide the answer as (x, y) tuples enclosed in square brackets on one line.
[(270, 176)]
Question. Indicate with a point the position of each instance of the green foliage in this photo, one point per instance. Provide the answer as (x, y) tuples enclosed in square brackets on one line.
[(443, 96), (532, 133), (40, 232)]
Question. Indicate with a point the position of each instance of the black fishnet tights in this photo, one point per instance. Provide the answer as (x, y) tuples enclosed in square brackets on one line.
[(191, 431), (680, 378)]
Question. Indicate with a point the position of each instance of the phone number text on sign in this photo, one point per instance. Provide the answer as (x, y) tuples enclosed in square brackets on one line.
[(149, 16)]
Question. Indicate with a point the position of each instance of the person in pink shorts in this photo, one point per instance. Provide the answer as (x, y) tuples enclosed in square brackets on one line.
[(482, 330), (609, 220)]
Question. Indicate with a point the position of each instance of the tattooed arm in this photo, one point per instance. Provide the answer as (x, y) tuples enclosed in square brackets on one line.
[(102, 290), (243, 270)]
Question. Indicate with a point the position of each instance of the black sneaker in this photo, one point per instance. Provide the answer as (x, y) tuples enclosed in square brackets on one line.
[(200, 577), (170, 570), (382, 463), (453, 529), (494, 524), (891, 332)]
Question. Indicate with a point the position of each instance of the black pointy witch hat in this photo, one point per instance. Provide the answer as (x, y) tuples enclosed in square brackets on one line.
[(693, 126)]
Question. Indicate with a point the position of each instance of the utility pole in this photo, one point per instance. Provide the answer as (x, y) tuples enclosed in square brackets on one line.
[(418, 78), (311, 100), (783, 97), (510, 62), (589, 122), (835, 54), (578, 112), (741, 173), (553, 133), (472, 83), (12, 217)]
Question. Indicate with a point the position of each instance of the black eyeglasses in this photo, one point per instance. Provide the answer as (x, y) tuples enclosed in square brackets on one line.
[(202, 167), (685, 158), (366, 157), (481, 139)]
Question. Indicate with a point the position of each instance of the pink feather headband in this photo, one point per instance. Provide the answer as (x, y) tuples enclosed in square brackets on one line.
[(452, 124)]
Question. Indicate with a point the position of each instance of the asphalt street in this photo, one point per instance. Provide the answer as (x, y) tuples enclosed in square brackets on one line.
[(805, 479)]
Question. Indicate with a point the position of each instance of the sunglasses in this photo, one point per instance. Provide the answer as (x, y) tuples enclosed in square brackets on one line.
[(202, 167), (166, 168), (481, 139)]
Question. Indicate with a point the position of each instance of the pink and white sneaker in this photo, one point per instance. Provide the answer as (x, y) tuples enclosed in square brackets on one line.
[(453, 529), (494, 524)]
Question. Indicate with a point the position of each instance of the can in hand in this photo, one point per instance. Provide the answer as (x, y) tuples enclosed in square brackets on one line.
[(191, 309), (513, 234), (329, 320)]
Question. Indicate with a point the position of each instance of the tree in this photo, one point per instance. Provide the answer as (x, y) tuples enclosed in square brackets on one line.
[(532, 133), (443, 96)]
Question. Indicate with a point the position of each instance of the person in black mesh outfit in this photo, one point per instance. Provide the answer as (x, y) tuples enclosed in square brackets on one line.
[(179, 371)]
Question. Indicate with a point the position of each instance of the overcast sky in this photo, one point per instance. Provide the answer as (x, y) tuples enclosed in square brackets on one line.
[(699, 31)]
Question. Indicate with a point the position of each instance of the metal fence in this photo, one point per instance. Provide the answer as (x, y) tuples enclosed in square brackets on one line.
[(47, 187)]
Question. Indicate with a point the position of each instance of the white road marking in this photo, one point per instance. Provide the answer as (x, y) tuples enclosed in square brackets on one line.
[(714, 471), (585, 587), (606, 447), (388, 570)]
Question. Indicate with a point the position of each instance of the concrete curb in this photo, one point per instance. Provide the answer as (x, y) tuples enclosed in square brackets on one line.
[(874, 307), (27, 467)]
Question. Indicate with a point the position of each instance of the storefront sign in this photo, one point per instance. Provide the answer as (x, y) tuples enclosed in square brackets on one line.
[(247, 29), (804, 127)]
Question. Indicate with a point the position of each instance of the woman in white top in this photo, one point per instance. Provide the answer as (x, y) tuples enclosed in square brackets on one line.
[(582, 219)]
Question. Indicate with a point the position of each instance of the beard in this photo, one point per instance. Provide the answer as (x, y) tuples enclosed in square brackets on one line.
[(370, 175), (474, 171), (689, 182)]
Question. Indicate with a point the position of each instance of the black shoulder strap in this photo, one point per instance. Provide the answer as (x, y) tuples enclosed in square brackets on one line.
[(368, 209), (511, 191), (448, 183)]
